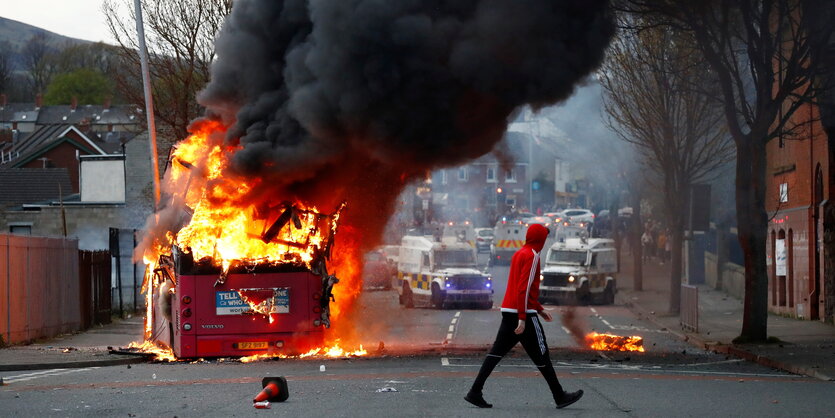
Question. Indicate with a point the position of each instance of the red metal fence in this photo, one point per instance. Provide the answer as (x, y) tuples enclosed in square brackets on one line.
[(39, 287), (689, 316)]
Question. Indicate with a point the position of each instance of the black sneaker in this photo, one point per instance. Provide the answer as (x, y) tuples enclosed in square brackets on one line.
[(477, 400), (569, 398)]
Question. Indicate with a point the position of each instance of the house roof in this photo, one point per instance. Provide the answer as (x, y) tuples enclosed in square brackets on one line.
[(19, 186), (93, 114), (47, 137)]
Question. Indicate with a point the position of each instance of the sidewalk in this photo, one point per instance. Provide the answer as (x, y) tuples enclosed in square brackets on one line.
[(89, 348), (807, 347)]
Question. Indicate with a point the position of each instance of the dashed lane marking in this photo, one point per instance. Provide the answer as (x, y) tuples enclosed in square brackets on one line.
[(451, 330), (593, 310), (566, 330), (444, 361)]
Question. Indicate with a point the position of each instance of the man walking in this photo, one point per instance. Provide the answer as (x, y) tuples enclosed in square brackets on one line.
[(520, 323)]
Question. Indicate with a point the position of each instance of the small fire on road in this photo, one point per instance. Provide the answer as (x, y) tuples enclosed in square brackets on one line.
[(609, 342)]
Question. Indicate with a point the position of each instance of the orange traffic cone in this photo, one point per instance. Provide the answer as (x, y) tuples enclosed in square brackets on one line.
[(275, 390)]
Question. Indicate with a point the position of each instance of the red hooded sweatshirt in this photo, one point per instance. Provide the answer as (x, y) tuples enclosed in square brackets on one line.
[(522, 295)]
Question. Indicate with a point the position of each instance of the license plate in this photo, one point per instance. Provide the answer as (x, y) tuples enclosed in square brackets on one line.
[(251, 345)]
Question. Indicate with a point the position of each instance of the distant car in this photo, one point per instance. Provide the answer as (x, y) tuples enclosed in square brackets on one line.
[(555, 216), (579, 215), (484, 237), (391, 252), (542, 220), (378, 271)]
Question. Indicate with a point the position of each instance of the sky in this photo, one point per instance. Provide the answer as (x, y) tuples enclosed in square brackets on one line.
[(81, 19)]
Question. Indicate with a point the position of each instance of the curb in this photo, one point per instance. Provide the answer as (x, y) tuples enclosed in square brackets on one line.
[(720, 348), (72, 364)]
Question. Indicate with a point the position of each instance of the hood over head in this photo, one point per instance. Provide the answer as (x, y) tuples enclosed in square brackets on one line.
[(535, 238)]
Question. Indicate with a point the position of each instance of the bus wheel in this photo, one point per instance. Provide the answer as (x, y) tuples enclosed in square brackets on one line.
[(437, 296), (406, 298)]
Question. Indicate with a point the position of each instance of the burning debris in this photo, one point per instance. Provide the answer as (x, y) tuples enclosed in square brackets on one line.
[(339, 101), (609, 342), (595, 341)]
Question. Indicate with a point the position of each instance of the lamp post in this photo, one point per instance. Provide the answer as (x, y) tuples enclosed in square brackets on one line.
[(149, 101)]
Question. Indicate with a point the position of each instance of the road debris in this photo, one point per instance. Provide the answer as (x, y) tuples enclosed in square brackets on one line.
[(262, 405), (386, 389)]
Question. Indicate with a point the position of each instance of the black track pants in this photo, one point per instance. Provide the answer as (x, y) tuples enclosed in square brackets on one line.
[(532, 339)]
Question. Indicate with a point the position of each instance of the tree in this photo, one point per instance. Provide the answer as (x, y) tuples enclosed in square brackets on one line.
[(6, 69), (760, 53), (37, 61), (653, 84), (180, 39), (85, 85)]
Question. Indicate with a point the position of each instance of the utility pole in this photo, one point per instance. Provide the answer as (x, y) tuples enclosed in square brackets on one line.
[(149, 101)]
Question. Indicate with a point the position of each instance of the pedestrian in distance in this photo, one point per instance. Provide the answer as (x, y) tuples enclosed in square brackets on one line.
[(520, 323), (646, 242)]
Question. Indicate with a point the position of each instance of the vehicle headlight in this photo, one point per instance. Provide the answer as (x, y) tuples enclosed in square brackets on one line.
[(571, 279), (541, 277)]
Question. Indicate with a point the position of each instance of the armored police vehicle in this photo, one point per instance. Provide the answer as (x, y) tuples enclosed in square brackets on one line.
[(439, 274), (580, 271)]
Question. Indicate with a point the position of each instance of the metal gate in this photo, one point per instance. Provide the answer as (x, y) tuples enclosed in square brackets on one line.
[(94, 275)]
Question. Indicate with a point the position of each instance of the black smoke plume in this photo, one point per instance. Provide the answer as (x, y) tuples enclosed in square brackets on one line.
[(352, 98)]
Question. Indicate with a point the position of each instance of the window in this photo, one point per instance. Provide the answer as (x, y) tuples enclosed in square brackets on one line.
[(510, 175), (463, 175), (20, 229), (426, 260), (784, 192), (491, 174)]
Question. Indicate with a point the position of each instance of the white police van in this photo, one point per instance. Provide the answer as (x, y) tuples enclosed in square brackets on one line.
[(580, 271), (439, 274)]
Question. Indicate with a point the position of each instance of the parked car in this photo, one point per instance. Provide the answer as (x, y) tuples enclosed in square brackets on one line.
[(579, 215), (378, 271), (391, 252), (484, 237)]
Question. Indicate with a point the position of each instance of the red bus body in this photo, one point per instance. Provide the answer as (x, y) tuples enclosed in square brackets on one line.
[(209, 320)]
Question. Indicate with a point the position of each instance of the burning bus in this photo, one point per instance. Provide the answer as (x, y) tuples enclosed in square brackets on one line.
[(232, 278)]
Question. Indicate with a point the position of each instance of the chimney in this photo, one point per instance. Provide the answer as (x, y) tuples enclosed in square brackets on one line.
[(38, 100), (106, 104), (73, 103), (3, 101)]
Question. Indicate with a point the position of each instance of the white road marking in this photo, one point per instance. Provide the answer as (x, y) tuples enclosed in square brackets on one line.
[(593, 310), (444, 361), (451, 330), (566, 330), (607, 323), (48, 373)]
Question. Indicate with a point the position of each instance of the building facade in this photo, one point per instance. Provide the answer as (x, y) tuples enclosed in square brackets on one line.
[(485, 188), (797, 190)]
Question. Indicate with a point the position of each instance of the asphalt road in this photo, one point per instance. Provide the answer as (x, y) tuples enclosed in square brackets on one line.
[(669, 379)]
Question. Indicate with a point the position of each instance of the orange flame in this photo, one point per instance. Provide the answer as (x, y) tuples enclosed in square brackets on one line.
[(162, 353), (609, 342), (334, 351)]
